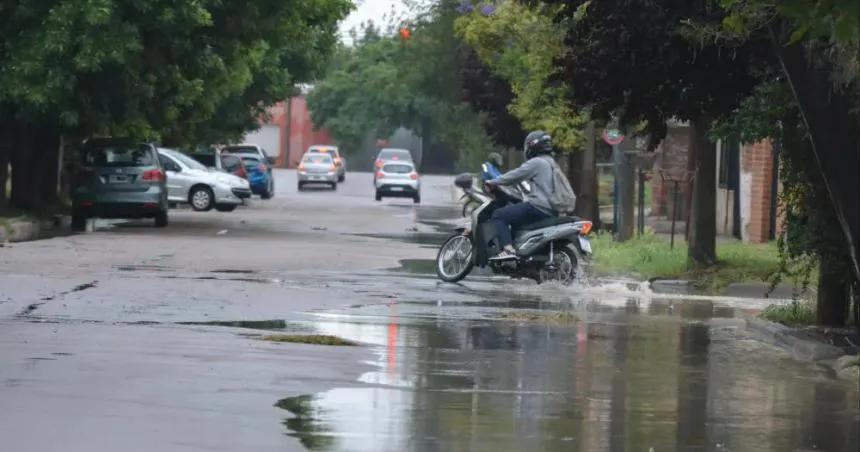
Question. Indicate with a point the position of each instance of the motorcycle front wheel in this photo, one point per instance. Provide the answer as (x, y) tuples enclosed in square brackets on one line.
[(454, 261)]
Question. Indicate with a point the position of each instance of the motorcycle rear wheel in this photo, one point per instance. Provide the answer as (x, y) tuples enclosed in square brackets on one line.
[(454, 261), (566, 267)]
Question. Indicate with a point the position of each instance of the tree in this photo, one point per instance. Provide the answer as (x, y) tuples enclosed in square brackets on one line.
[(635, 60), (178, 71), (384, 82)]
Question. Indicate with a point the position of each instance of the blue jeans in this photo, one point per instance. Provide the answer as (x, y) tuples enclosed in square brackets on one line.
[(510, 218)]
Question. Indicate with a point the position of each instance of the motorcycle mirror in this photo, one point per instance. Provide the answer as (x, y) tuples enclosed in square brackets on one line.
[(463, 181)]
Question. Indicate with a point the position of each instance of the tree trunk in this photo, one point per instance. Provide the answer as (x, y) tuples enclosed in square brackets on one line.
[(25, 178), (5, 151), (49, 152), (834, 282), (835, 136), (625, 182), (701, 249), (583, 178)]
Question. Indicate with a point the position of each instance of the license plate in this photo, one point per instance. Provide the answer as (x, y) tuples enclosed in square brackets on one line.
[(317, 178), (396, 188), (118, 179), (585, 245)]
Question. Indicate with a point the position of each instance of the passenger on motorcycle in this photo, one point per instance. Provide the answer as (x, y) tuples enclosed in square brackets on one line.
[(538, 171), (490, 168)]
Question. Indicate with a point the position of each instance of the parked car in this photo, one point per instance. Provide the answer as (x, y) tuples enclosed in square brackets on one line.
[(188, 181), (398, 179), (265, 164), (333, 151), (119, 179), (259, 176), (317, 169), (221, 161)]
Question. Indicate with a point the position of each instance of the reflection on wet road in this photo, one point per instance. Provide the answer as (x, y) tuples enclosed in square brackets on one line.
[(666, 376)]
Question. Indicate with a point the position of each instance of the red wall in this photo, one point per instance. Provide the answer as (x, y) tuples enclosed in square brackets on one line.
[(302, 134)]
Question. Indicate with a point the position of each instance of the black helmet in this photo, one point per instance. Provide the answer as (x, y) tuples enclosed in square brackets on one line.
[(537, 143), (496, 159)]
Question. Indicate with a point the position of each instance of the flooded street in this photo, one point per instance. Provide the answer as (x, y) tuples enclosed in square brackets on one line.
[(667, 376), (135, 339)]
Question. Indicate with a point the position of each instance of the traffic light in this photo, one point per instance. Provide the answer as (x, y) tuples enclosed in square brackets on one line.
[(405, 34)]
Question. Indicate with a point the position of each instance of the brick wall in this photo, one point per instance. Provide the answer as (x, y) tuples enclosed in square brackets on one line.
[(757, 171), (302, 133), (671, 161)]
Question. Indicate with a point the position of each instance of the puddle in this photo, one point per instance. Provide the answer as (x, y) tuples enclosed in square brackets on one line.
[(230, 271), (666, 375), (417, 266), (214, 278), (250, 324), (419, 238)]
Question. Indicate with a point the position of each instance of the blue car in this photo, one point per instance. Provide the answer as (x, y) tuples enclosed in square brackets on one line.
[(259, 176)]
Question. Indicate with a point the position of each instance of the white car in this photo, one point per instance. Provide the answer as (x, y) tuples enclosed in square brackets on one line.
[(188, 181), (398, 179)]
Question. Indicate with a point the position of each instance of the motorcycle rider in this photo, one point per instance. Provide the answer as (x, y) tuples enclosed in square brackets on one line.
[(538, 171)]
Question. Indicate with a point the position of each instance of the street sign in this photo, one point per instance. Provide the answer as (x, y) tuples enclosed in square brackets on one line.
[(612, 136)]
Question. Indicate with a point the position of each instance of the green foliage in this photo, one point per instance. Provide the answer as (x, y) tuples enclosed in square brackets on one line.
[(796, 313), (520, 43), (649, 257), (178, 70), (382, 83), (835, 20)]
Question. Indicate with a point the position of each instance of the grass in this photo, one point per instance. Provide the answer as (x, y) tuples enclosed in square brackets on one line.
[(317, 339), (796, 313), (548, 317), (649, 257)]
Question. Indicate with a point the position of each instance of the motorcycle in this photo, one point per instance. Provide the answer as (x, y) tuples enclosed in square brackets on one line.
[(550, 250)]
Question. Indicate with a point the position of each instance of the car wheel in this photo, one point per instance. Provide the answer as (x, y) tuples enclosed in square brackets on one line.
[(79, 222), (269, 192), (341, 178), (416, 199), (378, 196), (201, 198), (334, 186), (301, 186), (225, 207), (161, 219)]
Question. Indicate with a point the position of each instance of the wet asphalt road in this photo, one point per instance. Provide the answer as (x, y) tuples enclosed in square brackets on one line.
[(110, 341)]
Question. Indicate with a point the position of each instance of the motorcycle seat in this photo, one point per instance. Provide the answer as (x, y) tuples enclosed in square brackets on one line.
[(549, 222)]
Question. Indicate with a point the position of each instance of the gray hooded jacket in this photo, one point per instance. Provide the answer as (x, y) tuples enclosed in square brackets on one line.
[(538, 172)]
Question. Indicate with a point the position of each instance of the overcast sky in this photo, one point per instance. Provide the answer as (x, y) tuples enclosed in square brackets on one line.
[(368, 10)]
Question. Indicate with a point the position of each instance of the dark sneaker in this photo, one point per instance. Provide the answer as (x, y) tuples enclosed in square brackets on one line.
[(504, 256)]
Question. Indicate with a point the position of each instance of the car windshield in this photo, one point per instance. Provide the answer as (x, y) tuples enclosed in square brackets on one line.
[(241, 150), (394, 154), (329, 151), (186, 160), (318, 159), (119, 155), (250, 161), (230, 162), (397, 169), (205, 159)]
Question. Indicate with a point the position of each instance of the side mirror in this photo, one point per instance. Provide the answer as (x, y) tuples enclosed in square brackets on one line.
[(271, 160), (463, 181)]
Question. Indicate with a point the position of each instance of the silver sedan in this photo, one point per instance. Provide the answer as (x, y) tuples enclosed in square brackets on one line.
[(317, 169), (190, 182)]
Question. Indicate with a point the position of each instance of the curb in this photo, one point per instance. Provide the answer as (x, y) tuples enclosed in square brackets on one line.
[(28, 229), (802, 349), (840, 359)]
